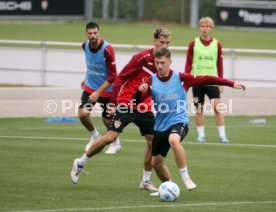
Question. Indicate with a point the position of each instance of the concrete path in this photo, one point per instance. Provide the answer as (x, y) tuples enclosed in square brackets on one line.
[(64, 102)]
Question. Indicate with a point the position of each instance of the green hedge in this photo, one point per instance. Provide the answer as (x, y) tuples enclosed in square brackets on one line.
[(161, 10)]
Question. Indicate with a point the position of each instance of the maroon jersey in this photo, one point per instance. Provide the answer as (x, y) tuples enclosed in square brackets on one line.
[(189, 80), (190, 54), (109, 56), (131, 77)]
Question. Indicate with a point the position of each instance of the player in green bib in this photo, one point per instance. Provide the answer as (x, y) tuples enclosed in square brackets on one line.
[(204, 57)]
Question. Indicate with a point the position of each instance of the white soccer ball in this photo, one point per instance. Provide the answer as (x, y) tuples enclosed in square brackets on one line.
[(168, 191)]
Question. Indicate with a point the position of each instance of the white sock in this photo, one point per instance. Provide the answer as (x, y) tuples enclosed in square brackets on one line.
[(184, 173), (83, 160), (95, 133), (146, 175), (200, 131), (221, 130), (117, 142)]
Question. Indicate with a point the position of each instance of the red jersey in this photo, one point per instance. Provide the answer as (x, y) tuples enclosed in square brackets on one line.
[(189, 80), (190, 55), (109, 56), (131, 77)]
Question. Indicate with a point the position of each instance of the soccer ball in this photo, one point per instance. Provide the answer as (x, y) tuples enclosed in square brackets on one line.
[(168, 191)]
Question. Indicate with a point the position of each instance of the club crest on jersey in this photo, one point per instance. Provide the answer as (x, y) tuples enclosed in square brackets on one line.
[(117, 123), (144, 79)]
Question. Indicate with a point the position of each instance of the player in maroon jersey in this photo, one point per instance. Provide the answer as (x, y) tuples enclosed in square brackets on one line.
[(204, 57), (137, 71)]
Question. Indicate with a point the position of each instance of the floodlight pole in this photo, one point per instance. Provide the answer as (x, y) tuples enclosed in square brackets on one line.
[(88, 10), (115, 9), (183, 10), (105, 9), (140, 6), (194, 13)]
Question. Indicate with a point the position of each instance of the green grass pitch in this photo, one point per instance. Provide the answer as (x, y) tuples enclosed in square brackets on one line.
[(36, 158), (134, 33)]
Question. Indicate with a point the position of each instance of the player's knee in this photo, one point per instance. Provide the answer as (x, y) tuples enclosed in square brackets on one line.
[(83, 113), (149, 145), (174, 142), (156, 163), (149, 139), (199, 111), (217, 111)]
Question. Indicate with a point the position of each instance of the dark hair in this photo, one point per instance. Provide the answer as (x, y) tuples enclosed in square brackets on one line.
[(162, 52), (92, 25), (161, 31)]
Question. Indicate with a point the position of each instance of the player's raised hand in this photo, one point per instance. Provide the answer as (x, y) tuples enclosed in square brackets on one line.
[(238, 85)]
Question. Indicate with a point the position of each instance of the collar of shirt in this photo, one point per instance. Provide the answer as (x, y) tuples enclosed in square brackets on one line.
[(165, 79)]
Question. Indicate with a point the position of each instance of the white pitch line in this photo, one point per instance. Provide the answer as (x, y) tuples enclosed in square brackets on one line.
[(139, 141), (50, 128), (235, 145), (64, 128), (44, 138), (154, 206), (134, 127)]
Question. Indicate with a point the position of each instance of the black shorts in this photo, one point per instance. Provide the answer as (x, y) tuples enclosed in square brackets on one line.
[(161, 145), (124, 115), (89, 106), (199, 93)]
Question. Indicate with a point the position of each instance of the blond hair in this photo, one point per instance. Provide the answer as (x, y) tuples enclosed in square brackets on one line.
[(207, 20), (161, 31)]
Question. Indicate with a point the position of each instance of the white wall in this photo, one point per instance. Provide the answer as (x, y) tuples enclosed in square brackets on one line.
[(67, 67)]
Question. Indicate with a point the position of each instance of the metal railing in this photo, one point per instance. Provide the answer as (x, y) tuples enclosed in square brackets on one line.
[(44, 44)]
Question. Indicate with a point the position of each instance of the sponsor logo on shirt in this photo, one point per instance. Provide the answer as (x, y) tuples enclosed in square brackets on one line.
[(162, 98), (91, 72)]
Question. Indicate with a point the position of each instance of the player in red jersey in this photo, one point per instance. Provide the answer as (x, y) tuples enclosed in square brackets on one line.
[(204, 57), (126, 84)]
